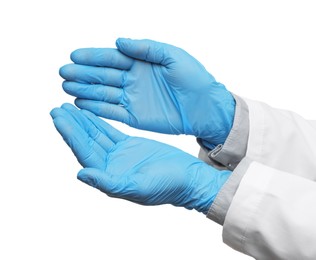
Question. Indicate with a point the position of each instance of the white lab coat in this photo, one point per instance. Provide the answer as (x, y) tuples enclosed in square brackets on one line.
[(273, 212)]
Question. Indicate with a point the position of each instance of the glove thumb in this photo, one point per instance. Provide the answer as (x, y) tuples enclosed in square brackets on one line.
[(146, 50), (96, 178)]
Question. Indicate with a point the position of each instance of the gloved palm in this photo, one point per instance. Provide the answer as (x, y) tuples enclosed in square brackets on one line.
[(151, 86), (137, 169)]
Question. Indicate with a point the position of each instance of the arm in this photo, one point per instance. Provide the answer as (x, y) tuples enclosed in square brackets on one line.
[(282, 139), (272, 215), (267, 209)]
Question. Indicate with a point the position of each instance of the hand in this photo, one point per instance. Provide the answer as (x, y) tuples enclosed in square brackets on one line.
[(151, 86), (137, 169)]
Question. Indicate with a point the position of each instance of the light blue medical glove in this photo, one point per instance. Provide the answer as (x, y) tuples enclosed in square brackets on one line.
[(151, 86), (136, 169)]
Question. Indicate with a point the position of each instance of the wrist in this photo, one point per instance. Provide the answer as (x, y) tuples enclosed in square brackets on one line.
[(234, 149), (206, 183), (219, 121)]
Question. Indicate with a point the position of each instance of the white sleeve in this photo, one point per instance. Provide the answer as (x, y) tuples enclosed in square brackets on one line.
[(277, 138), (313, 123), (272, 215), (282, 140), (268, 210)]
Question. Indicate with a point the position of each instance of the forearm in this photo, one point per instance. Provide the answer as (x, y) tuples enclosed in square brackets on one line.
[(283, 146), (272, 215)]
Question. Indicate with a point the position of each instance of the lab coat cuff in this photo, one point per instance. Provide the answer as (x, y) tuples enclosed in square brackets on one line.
[(220, 206), (229, 154)]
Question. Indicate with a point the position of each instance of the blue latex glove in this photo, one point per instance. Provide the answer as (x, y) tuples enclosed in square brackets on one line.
[(151, 86), (137, 169)]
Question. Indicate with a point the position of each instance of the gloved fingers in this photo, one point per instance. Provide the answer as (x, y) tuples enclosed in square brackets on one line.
[(100, 180), (112, 133), (103, 57), (95, 134), (100, 131), (103, 109), (87, 151), (94, 92), (146, 50), (92, 75)]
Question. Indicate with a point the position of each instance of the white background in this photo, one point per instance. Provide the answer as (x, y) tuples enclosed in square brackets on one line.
[(263, 50)]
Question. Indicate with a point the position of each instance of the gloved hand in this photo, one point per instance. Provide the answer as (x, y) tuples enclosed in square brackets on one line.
[(151, 86), (137, 169)]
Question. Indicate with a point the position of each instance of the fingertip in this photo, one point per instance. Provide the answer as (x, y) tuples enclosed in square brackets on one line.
[(65, 85), (60, 111), (71, 87), (78, 102), (61, 71), (64, 70), (57, 112), (80, 56), (86, 175), (122, 43), (119, 41), (82, 103), (74, 55), (53, 112), (145, 49)]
